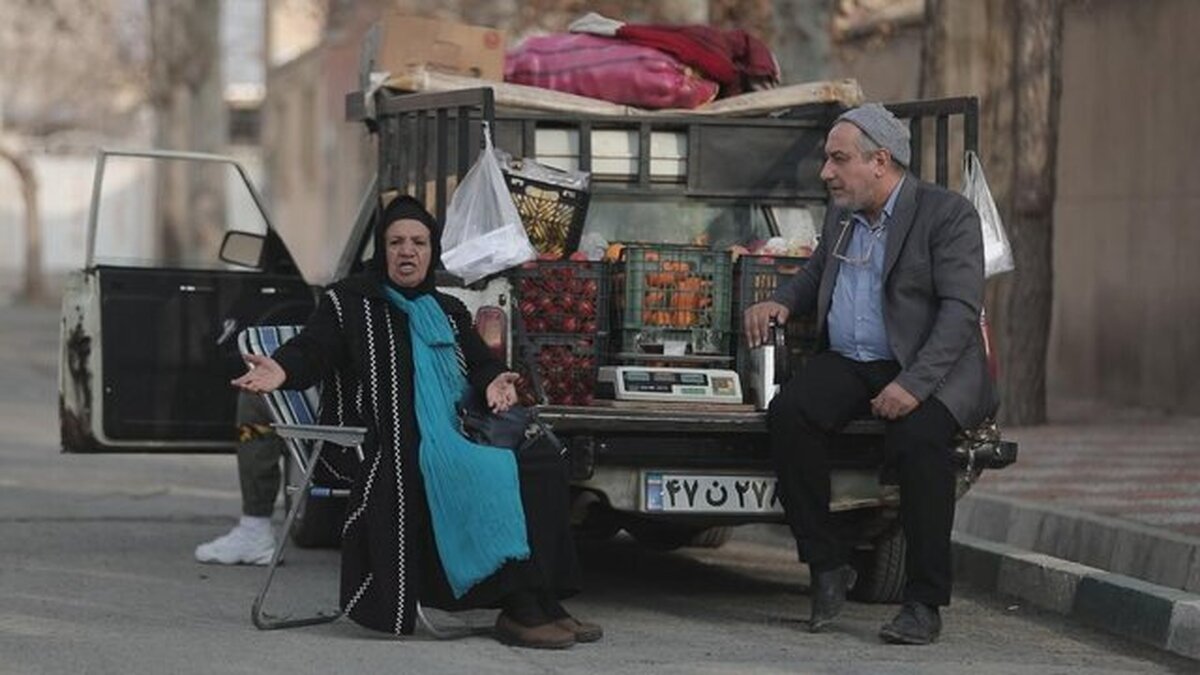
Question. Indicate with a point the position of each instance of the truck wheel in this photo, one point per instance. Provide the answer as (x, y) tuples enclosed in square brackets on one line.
[(318, 523), (658, 535), (670, 536), (591, 518), (713, 537), (880, 570)]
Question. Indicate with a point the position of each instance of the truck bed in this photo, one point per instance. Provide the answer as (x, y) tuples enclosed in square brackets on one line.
[(597, 419)]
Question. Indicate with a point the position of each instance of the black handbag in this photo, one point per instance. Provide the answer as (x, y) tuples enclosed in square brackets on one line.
[(517, 428)]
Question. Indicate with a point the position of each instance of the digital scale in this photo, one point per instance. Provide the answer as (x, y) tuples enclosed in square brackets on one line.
[(669, 384)]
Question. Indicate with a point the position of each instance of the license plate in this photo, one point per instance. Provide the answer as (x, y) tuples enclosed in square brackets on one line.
[(708, 493)]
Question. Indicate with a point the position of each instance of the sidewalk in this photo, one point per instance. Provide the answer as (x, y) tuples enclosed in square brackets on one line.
[(1098, 519)]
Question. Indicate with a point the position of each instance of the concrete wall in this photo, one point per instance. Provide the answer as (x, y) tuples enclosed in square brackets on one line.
[(1127, 220), (317, 163), (887, 67)]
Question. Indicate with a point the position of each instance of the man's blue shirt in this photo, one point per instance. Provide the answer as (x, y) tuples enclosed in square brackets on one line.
[(856, 328)]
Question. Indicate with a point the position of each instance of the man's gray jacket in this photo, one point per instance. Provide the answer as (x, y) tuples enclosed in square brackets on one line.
[(933, 295)]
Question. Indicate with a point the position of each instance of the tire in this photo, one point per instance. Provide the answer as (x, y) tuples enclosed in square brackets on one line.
[(318, 523), (713, 537), (880, 569), (591, 519), (666, 536)]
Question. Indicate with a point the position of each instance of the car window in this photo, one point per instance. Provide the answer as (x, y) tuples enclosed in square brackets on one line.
[(800, 225), (133, 230)]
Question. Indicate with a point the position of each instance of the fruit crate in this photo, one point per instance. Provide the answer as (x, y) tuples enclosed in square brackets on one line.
[(667, 293), (755, 278), (561, 328), (559, 369), (553, 215), (562, 296)]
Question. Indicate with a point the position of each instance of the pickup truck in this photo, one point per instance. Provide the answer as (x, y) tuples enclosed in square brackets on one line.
[(147, 350)]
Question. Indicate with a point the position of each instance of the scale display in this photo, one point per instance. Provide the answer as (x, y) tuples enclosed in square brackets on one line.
[(643, 383)]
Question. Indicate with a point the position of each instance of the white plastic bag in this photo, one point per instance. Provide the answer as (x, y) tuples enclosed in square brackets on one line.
[(997, 254), (484, 234)]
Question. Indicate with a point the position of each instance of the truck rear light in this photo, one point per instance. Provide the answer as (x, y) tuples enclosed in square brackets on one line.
[(492, 325)]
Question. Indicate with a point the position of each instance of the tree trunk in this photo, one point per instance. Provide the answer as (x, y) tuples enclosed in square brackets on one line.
[(801, 39), (931, 80), (1037, 83), (33, 287), (1007, 54), (186, 91)]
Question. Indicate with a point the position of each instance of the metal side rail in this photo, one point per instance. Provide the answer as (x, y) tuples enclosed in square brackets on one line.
[(346, 436)]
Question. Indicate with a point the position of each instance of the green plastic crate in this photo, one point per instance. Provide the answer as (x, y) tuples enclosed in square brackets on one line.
[(755, 278), (664, 293)]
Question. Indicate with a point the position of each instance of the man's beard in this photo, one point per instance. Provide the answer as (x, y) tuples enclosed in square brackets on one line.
[(850, 202)]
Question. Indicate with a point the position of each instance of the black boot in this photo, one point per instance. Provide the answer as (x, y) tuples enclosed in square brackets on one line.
[(829, 595), (916, 624)]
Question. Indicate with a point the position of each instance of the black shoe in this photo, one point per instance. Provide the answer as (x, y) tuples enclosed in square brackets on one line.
[(829, 595), (916, 624)]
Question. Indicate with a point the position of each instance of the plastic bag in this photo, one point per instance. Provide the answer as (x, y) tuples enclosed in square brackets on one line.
[(483, 234), (997, 253)]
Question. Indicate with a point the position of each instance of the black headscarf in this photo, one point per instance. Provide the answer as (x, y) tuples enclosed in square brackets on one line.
[(401, 208)]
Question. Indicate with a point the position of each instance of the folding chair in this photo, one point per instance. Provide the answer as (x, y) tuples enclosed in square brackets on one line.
[(294, 417)]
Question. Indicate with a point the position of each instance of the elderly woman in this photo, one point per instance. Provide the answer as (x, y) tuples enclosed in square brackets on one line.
[(432, 517)]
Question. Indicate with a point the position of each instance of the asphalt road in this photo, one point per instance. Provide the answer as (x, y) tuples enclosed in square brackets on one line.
[(96, 576)]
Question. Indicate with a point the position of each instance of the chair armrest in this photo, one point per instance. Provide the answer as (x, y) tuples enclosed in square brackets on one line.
[(345, 436)]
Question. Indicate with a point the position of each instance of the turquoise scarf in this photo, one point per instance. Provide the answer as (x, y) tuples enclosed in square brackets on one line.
[(473, 491)]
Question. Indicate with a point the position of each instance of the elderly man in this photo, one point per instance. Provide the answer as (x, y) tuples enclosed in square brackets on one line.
[(897, 285)]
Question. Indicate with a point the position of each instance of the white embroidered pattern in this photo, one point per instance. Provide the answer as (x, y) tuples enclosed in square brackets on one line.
[(332, 470), (358, 594), (362, 506), (397, 449), (458, 352), (339, 398), (371, 360)]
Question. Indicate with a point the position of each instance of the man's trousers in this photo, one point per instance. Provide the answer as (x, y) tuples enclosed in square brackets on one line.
[(804, 419)]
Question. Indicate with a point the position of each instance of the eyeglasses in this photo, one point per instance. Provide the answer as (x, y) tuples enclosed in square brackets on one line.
[(876, 233)]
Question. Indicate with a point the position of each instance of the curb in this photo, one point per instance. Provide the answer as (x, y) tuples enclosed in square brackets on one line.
[(1119, 546), (1165, 618), (1162, 617)]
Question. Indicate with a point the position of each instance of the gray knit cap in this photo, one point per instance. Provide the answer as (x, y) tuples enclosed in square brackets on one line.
[(881, 126)]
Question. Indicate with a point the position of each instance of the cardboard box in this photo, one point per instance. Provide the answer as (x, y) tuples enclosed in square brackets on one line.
[(407, 41)]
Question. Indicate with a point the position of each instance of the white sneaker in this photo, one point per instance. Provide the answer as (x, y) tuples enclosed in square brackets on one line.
[(243, 545)]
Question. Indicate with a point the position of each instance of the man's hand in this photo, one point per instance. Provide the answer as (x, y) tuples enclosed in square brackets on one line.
[(265, 375), (502, 392), (893, 402), (757, 320)]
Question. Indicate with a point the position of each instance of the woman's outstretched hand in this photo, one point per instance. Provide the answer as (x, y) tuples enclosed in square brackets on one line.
[(502, 392), (266, 375)]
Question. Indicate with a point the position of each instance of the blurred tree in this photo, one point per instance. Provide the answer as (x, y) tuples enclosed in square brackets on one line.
[(65, 66), (186, 93), (1013, 59), (33, 285)]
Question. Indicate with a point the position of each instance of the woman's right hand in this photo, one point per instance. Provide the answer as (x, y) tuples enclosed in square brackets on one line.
[(265, 375)]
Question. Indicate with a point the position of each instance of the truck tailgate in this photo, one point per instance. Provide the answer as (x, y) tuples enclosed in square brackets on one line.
[(596, 419)]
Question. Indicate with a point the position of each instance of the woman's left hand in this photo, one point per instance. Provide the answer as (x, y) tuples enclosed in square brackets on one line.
[(502, 392)]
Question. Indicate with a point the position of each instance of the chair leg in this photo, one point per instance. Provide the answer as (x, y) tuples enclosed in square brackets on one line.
[(444, 633), (262, 620)]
